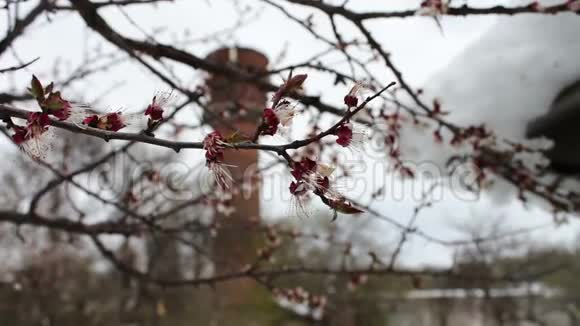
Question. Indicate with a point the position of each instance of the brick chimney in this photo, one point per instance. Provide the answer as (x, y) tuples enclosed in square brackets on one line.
[(236, 107)]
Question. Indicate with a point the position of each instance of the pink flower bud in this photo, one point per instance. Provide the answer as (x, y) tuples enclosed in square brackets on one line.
[(214, 155), (91, 120), (270, 122), (20, 135), (350, 101), (349, 136), (154, 110), (344, 134)]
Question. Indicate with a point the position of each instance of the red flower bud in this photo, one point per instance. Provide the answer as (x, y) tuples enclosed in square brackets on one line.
[(350, 101), (19, 135), (154, 110), (344, 134), (91, 121), (54, 104), (270, 122), (111, 121)]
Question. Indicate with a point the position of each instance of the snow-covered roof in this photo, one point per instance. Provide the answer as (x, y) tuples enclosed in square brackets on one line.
[(504, 79)]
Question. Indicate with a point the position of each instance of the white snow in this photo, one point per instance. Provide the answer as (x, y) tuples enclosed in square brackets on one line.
[(504, 79)]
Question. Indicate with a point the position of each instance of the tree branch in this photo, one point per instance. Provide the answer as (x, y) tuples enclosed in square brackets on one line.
[(66, 225)]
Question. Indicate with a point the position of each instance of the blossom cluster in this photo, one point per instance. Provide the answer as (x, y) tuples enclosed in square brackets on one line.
[(310, 176), (282, 112), (52, 104), (37, 124), (301, 302), (50, 101), (313, 177)]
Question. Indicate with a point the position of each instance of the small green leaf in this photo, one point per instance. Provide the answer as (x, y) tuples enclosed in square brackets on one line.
[(36, 88), (49, 88)]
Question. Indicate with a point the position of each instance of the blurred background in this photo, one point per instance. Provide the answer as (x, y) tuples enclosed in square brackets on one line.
[(123, 232)]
